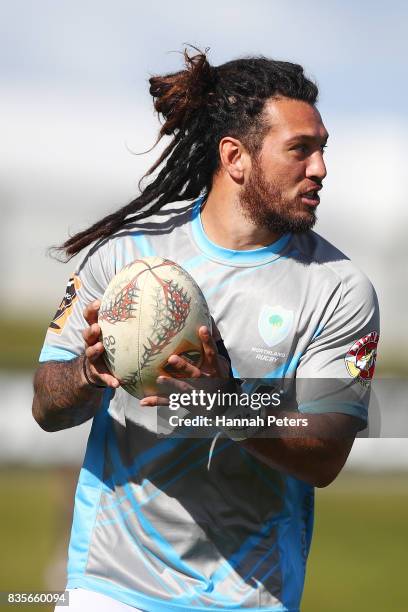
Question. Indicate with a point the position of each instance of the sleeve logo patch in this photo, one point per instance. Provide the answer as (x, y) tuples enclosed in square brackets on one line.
[(66, 306), (361, 357)]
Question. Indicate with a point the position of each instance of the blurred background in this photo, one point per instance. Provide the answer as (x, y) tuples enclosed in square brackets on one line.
[(75, 110)]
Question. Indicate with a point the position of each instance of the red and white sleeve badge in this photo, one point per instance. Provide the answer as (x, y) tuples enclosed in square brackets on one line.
[(361, 357)]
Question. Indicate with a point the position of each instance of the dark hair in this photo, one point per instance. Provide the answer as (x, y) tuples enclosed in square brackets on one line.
[(200, 105)]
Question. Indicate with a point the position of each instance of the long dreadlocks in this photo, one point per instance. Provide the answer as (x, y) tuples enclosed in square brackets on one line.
[(200, 105)]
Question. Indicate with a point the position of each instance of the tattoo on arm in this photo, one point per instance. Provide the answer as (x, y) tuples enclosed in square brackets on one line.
[(62, 398)]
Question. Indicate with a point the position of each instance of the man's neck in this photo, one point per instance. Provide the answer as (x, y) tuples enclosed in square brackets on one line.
[(226, 225)]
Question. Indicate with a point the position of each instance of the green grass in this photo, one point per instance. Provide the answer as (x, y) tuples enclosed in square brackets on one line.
[(358, 560), (23, 340), (357, 563), (27, 530), (35, 518), (26, 519)]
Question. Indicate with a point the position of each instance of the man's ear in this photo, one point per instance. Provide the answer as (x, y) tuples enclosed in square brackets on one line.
[(235, 159)]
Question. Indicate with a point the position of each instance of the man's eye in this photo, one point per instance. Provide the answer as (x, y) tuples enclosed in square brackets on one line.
[(300, 147), (323, 147)]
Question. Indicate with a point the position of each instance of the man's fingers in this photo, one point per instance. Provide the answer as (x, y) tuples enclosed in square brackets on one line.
[(209, 346), (183, 367), (91, 312), (168, 385), (97, 368), (154, 400), (94, 352), (108, 380), (92, 334)]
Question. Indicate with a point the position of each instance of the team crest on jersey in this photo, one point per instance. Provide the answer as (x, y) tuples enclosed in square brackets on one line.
[(274, 324), (66, 306), (361, 357)]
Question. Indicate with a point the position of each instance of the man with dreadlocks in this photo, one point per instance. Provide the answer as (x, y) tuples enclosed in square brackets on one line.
[(157, 526)]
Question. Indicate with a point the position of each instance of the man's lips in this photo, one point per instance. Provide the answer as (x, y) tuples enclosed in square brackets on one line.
[(311, 196)]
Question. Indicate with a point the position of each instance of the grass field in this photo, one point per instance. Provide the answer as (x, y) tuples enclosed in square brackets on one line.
[(358, 560)]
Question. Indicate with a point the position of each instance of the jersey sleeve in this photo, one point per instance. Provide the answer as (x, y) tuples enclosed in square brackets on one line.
[(335, 371), (64, 340)]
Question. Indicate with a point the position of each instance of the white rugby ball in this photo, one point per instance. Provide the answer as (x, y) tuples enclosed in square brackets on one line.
[(150, 310)]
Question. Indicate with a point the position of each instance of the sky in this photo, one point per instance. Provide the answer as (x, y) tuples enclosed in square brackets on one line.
[(356, 49), (76, 109)]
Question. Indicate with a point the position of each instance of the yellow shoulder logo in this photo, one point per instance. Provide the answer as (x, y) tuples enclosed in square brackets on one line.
[(66, 306)]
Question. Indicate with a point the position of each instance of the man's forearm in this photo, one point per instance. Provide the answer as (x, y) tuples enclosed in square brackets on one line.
[(314, 453), (63, 398), (315, 461)]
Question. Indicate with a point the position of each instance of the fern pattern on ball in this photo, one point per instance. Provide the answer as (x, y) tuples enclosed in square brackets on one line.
[(170, 317), (190, 279), (123, 305), (132, 382)]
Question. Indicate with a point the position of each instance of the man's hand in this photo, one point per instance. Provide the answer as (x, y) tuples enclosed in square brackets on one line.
[(63, 396), (95, 365), (213, 365), (315, 457)]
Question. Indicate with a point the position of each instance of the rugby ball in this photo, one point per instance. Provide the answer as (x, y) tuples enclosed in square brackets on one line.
[(150, 310)]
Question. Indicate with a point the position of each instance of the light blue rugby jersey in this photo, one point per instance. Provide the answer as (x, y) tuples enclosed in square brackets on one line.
[(153, 526)]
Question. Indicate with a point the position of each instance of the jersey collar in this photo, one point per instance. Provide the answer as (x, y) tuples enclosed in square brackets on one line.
[(229, 256)]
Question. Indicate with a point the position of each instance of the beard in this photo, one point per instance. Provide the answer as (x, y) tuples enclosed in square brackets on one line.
[(263, 203)]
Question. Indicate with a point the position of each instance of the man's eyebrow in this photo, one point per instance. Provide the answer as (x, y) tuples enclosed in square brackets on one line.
[(308, 137)]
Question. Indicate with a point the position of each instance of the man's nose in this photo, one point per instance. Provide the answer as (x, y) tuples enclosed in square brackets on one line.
[(316, 166)]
